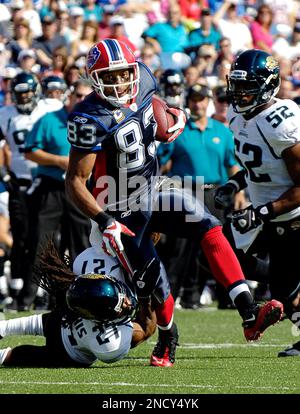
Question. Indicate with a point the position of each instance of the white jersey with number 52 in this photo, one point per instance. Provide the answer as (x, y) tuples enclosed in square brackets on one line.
[(259, 143)]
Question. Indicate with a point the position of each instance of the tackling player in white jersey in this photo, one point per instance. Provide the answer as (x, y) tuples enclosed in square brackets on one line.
[(16, 122), (92, 320), (267, 144)]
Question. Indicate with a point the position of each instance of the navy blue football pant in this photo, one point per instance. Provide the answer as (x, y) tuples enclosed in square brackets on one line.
[(176, 212)]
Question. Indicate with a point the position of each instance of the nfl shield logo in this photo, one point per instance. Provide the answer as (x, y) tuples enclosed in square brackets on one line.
[(118, 115), (92, 58)]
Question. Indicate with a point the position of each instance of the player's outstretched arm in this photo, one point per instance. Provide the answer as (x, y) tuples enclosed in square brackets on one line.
[(80, 167), (291, 198), (224, 195), (145, 323)]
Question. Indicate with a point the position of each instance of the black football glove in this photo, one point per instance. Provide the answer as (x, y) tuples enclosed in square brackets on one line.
[(145, 280), (224, 196), (249, 218)]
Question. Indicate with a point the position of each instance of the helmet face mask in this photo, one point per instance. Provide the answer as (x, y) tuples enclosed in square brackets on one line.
[(110, 91), (244, 94), (253, 80), (25, 90), (53, 84), (101, 298), (172, 87), (108, 59)]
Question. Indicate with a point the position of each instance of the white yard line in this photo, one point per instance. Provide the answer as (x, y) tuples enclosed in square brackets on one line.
[(227, 345), (130, 384)]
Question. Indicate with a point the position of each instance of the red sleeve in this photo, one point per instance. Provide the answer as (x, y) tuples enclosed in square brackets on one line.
[(191, 8)]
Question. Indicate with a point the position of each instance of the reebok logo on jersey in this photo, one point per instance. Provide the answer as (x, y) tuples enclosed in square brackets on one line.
[(126, 213), (80, 119)]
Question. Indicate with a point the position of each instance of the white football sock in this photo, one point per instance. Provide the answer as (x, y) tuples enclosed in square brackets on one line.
[(237, 290), (3, 285), (28, 325), (3, 354)]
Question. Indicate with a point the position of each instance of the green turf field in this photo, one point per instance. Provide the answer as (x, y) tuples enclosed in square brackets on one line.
[(213, 358)]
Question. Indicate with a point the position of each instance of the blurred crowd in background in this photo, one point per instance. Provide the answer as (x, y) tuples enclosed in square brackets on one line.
[(198, 37)]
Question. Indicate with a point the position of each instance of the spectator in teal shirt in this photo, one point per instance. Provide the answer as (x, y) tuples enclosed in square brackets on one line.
[(92, 11), (206, 33), (170, 36), (205, 149), (49, 141)]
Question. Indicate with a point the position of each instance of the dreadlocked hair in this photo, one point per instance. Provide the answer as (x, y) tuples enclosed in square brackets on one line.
[(53, 273)]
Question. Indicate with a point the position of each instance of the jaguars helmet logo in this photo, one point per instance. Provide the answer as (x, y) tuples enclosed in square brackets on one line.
[(94, 276), (271, 63)]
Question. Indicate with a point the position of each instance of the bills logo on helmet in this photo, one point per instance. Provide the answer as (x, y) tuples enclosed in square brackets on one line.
[(93, 56)]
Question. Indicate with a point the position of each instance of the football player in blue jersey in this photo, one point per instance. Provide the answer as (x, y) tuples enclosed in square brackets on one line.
[(112, 133)]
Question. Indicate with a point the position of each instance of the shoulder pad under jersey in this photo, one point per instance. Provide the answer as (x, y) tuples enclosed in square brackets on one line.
[(279, 126), (88, 124), (148, 85)]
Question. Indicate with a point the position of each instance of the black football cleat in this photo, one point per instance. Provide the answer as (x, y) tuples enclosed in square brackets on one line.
[(293, 350)]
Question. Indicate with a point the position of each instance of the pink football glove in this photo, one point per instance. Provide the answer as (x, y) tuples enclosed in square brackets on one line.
[(180, 124), (111, 243)]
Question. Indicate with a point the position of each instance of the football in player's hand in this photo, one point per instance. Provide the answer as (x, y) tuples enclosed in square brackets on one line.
[(164, 119)]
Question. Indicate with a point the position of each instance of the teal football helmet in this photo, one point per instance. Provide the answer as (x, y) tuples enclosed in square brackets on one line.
[(253, 73), (26, 92), (101, 298)]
